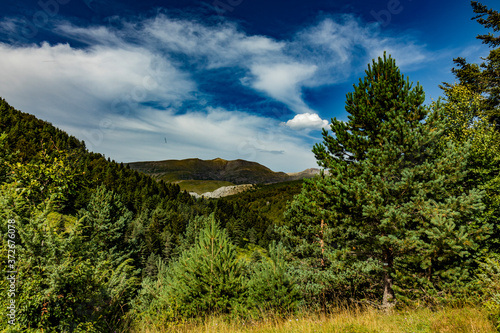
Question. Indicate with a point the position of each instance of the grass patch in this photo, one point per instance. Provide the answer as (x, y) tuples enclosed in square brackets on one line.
[(468, 319)]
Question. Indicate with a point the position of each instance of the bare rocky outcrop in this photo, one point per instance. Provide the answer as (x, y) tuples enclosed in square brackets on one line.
[(223, 191)]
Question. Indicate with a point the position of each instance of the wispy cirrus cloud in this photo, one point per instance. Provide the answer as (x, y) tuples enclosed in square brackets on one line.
[(208, 133), (282, 82), (128, 86), (343, 46), (323, 54), (221, 45), (59, 78)]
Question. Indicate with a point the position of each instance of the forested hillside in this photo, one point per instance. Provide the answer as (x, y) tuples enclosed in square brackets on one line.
[(77, 213), (269, 200), (35, 141), (404, 216)]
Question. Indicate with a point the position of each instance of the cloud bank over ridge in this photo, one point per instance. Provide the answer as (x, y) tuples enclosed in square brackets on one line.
[(123, 88)]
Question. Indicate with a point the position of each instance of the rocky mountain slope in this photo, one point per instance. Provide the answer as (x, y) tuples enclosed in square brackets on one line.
[(223, 191)]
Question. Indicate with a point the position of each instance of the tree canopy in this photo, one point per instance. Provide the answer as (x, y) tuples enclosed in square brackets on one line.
[(390, 208)]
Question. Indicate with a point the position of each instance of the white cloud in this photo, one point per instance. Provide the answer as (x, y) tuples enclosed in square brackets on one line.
[(109, 92), (72, 85), (344, 46), (206, 134), (307, 121), (221, 45), (91, 35), (409, 56), (337, 38), (282, 82), (327, 53)]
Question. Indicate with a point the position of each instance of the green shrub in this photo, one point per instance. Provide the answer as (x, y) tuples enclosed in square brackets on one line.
[(489, 280), (205, 279), (270, 285)]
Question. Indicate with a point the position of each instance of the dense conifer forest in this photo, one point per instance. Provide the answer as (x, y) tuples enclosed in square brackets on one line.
[(407, 216)]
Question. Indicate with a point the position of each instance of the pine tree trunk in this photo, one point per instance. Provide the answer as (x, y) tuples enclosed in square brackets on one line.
[(388, 298)]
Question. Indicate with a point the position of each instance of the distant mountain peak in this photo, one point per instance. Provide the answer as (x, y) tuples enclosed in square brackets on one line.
[(218, 169)]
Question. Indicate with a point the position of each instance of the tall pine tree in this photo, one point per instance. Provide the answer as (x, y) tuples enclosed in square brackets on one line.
[(207, 278), (388, 207)]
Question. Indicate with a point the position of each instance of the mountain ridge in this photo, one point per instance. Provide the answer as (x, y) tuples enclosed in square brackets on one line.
[(236, 172)]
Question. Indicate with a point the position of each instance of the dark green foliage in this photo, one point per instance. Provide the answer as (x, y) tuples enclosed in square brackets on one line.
[(61, 284), (381, 91), (488, 18), (490, 77), (391, 206), (484, 78), (29, 136), (239, 217), (192, 233), (205, 279), (50, 175), (466, 124), (151, 268), (5, 159), (268, 200), (106, 220), (271, 286), (323, 274), (481, 103)]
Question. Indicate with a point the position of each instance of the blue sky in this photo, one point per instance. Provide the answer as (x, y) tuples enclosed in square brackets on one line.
[(249, 79)]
